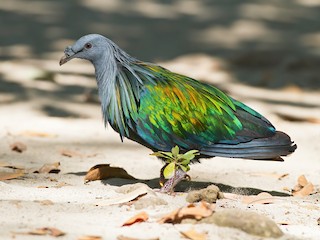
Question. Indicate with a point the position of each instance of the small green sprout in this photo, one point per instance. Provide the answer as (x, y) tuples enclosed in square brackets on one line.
[(174, 160)]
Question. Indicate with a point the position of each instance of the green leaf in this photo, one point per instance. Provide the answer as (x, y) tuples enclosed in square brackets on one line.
[(184, 161), (175, 151), (169, 170), (190, 155), (167, 155), (185, 168)]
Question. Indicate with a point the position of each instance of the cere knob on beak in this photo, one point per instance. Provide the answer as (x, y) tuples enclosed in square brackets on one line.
[(68, 55)]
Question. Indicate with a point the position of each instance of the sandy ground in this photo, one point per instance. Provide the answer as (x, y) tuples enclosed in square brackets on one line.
[(264, 53), (78, 127)]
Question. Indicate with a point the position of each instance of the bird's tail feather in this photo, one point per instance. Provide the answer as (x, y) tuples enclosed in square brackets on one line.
[(270, 148)]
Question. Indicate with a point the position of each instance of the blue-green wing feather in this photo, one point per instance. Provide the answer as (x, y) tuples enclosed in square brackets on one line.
[(177, 110)]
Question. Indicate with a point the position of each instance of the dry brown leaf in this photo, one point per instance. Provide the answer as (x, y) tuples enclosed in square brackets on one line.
[(11, 175), (90, 237), (54, 232), (303, 188), (305, 191), (280, 177), (203, 209), (140, 217), (261, 198), (302, 181), (18, 147), (37, 134), (49, 168), (274, 175), (7, 165), (286, 189), (71, 153), (194, 235), (104, 171), (196, 212)]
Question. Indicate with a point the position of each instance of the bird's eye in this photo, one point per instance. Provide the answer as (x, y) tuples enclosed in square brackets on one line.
[(88, 45)]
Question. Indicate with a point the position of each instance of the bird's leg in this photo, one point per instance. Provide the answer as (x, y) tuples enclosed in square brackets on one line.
[(169, 185)]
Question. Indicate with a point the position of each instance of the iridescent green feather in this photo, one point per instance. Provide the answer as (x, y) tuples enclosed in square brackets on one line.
[(161, 109), (178, 110)]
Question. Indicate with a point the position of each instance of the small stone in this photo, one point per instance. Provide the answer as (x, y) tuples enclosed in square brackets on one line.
[(146, 202), (209, 194), (18, 147), (247, 221)]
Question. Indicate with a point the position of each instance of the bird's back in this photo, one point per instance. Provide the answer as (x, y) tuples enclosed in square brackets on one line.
[(176, 110)]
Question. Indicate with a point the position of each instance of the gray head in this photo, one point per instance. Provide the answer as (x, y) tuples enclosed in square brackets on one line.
[(115, 71), (89, 47)]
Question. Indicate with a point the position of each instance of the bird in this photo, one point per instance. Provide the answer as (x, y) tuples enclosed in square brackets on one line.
[(161, 109)]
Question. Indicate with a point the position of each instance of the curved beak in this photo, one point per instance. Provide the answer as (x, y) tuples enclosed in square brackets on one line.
[(64, 59), (68, 55)]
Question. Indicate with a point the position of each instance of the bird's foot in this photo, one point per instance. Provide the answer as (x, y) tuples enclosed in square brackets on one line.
[(168, 186)]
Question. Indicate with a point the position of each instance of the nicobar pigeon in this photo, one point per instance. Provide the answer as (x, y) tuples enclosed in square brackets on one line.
[(161, 109)]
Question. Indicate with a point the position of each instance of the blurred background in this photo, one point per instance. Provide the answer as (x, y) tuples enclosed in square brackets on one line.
[(265, 53)]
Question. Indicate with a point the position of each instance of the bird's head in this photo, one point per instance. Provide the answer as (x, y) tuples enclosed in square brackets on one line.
[(88, 47)]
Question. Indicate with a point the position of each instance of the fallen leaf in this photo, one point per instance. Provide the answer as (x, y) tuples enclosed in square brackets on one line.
[(283, 176), (54, 232), (7, 165), (305, 191), (286, 189), (197, 212), (18, 147), (261, 198), (49, 168), (303, 188), (90, 237), (194, 235), (11, 175), (140, 217), (104, 171), (302, 181), (201, 210), (71, 153), (124, 198), (37, 134), (274, 175), (121, 237)]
